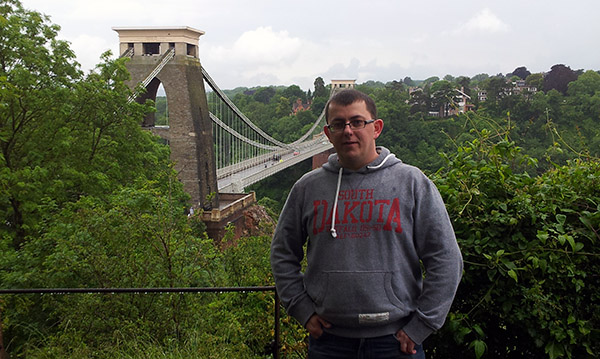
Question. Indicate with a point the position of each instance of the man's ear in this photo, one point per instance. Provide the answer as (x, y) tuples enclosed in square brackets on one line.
[(378, 124), (327, 133)]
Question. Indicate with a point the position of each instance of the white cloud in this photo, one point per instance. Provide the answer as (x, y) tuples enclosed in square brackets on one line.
[(266, 46), (89, 48), (486, 21), (263, 56), (269, 42), (267, 57)]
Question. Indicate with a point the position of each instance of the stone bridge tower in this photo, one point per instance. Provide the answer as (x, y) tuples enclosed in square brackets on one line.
[(169, 56)]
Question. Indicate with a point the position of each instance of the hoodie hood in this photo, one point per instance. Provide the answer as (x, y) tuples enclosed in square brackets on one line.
[(385, 159)]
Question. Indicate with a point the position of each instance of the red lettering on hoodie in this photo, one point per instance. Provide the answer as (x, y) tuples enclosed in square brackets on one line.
[(381, 203), (316, 205), (394, 216), (387, 212), (348, 212)]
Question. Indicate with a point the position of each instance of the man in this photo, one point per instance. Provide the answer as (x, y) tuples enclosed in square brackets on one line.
[(370, 221)]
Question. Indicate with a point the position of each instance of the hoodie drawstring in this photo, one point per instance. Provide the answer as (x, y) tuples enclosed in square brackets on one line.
[(391, 155), (337, 192), (335, 202)]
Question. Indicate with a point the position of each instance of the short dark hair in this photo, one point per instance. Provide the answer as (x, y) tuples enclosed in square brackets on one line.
[(347, 98)]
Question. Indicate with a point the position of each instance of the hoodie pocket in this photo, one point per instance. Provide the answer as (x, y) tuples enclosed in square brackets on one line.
[(357, 298)]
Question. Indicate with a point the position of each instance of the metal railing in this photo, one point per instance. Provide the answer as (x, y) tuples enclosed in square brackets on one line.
[(275, 344)]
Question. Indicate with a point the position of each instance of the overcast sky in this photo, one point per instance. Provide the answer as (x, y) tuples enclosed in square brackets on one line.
[(280, 42)]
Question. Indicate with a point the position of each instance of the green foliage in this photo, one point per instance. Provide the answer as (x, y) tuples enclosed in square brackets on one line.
[(558, 78), (138, 240), (36, 77), (320, 90), (162, 111), (62, 136), (530, 251)]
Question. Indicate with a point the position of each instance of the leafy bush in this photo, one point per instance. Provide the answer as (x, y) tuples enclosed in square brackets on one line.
[(530, 247)]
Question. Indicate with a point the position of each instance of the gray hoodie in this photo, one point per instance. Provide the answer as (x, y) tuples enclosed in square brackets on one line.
[(363, 272)]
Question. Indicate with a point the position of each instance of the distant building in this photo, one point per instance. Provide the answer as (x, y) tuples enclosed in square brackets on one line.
[(520, 87), (300, 106), (342, 84), (481, 95), (511, 88), (460, 103)]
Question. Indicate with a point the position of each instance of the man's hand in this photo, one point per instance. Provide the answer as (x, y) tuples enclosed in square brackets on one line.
[(315, 326), (406, 344)]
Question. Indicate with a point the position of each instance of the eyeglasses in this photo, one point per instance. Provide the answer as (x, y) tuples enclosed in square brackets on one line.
[(339, 126)]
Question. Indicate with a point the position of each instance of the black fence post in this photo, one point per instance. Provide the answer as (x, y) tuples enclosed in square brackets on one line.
[(3, 353), (277, 315)]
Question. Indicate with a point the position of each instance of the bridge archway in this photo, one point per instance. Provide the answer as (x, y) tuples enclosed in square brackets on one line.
[(162, 107)]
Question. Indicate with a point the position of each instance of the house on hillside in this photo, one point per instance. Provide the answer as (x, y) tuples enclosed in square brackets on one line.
[(300, 106), (457, 104), (460, 103), (520, 87), (481, 94)]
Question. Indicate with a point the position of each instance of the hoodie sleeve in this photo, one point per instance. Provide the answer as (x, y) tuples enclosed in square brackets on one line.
[(286, 257), (436, 245)]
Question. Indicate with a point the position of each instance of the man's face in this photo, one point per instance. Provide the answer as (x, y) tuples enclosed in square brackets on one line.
[(355, 148)]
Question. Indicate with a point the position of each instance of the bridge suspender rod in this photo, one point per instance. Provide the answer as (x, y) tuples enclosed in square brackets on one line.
[(238, 112), (224, 126), (251, 124)]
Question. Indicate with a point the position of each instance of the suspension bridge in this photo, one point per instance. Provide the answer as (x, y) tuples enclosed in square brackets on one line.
[(245, 154), (215, 147)]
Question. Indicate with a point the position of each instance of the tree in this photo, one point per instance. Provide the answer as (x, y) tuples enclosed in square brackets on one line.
[(294, 92), (283, 108), (317, 105), (395, 85), (320, 90), (71, 148), (449, 78), (63, 136), (584, 96), (587, 83), (522, 72), (408, 81), (419, 102), (477, 79), (536, 80), (443, 94), (430, 80), (264, 94), (465, 83), (559, 78), (36, 75), (496, 89)]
